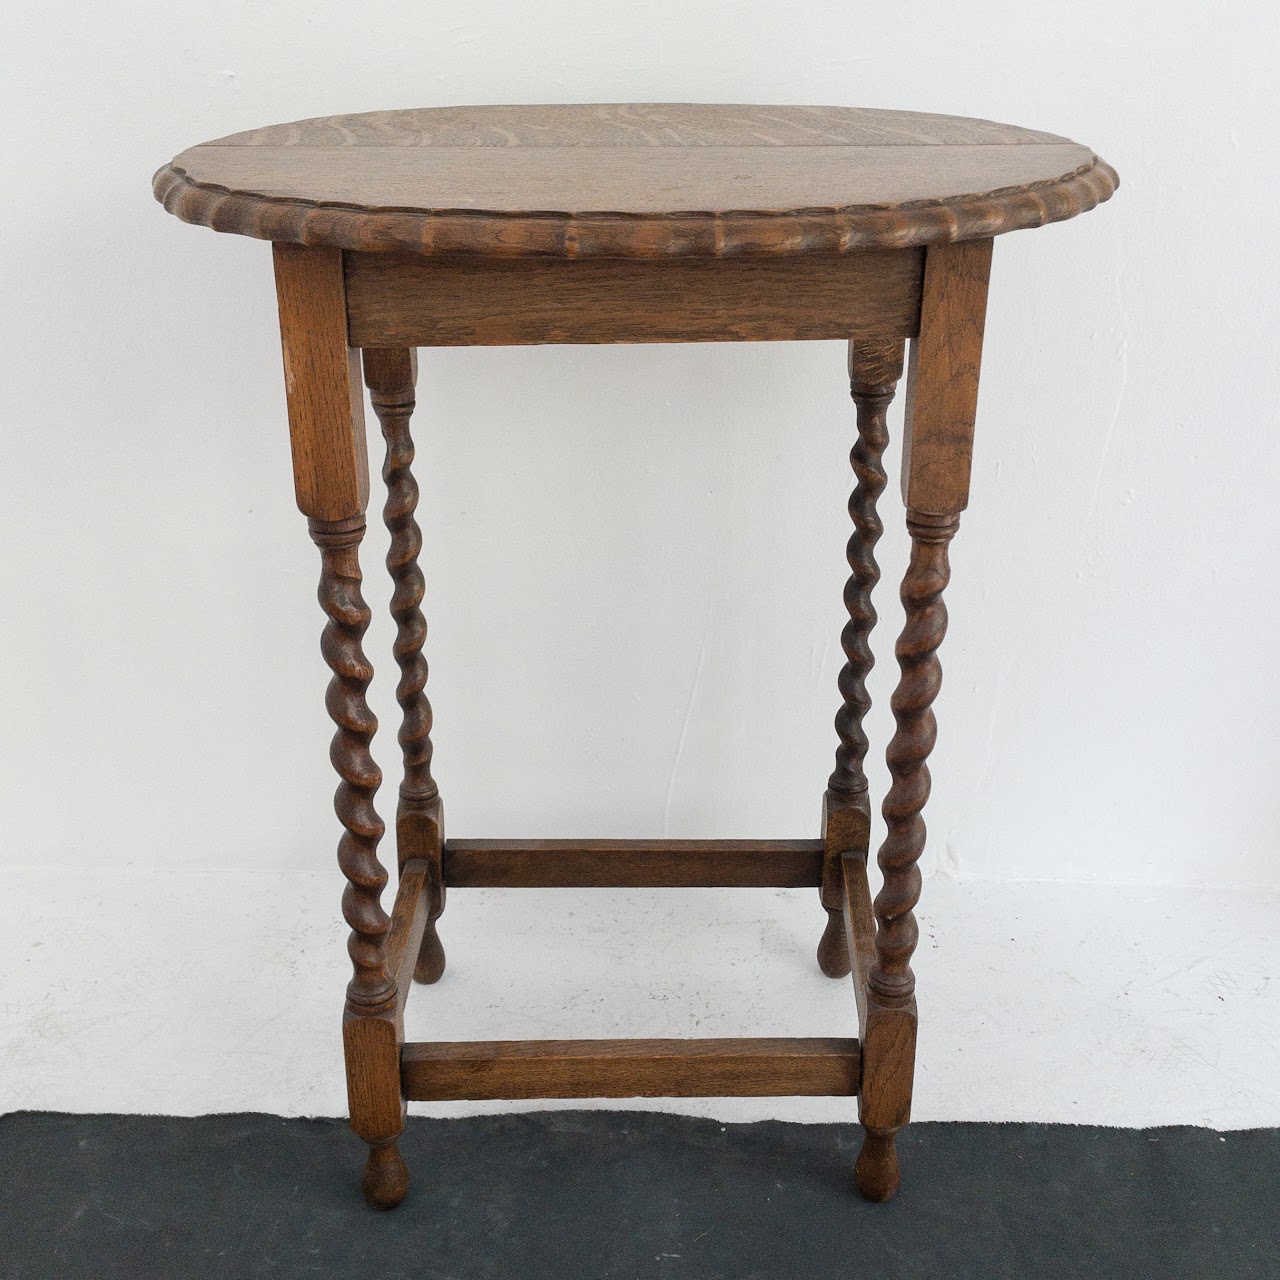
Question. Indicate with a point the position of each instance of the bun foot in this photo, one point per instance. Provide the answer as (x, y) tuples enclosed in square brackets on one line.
[(876, 1172), (386, 1176), (833, 949), (430, 965)]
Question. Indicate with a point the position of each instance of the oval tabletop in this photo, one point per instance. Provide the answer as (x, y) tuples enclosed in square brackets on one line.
[(633, 181)]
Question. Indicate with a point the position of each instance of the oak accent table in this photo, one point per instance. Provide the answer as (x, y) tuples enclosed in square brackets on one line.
[(661, 223)]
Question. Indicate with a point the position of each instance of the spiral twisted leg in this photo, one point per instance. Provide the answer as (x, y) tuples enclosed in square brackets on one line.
[(917, 651), (369, 1020), (886, 1099), (390, 374), (874, 370), (331, 482), (371, 987), (875, 375)]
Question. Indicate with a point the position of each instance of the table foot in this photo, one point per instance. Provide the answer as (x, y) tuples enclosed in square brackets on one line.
[(430, 965), (386, 1176), (876, 1172), (833, 948)]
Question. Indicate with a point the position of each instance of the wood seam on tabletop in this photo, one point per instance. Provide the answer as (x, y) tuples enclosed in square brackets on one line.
[(636, 181), (639, 223), (443, 210)]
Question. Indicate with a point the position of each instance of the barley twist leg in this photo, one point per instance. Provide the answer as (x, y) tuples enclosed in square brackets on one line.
[(885, 1104), (874, 370), (371, 985), (391, 374), (371, 993)]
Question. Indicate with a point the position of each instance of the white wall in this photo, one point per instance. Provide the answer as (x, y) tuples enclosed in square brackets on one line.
[(634, 556)]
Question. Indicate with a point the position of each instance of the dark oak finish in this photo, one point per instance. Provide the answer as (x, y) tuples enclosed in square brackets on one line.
[(640, 181), (371, 985), (624, 864), (428, 302), (860, 930), (322, 385), (631, 1069), (891, 1009), (612, 223), (942, 392), (942, 380), (874, 370), (372, 1011), (391, 374), (331, 477), (408, 925)]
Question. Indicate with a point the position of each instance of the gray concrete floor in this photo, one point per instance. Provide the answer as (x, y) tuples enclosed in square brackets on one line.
[(630, 1194)]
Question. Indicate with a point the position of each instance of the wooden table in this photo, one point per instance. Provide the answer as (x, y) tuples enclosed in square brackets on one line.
[(662, 223)]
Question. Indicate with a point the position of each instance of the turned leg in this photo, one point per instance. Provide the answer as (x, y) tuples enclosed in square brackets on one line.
[(371, 993), (326, 429), (891, 986), (390, 374), (874, 370), (942, 391)]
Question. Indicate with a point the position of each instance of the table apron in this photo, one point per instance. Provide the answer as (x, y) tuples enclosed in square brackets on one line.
[(409, 300)]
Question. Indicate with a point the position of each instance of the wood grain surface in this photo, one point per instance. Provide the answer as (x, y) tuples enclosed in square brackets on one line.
[(322, 385), (399, 298), (859, 929), (659, 180), (494, 225), (942, 379), (604, 864), (630, 1069)]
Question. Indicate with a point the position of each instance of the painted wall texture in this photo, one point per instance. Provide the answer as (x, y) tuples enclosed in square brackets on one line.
[(634, 557)]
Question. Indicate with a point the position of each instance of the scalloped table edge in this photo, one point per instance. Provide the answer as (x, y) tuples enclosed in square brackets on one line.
[(633, 235)]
